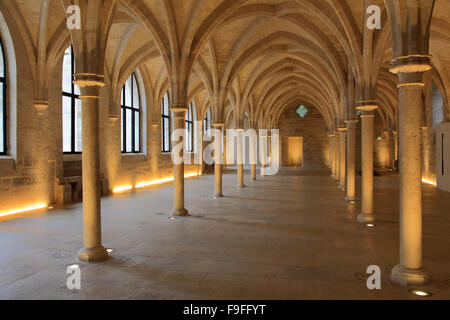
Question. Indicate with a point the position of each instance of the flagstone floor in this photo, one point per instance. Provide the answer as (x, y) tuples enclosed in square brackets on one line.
[(289, 236)]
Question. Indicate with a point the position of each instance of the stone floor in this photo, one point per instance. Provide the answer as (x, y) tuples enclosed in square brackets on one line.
[(289, 236)]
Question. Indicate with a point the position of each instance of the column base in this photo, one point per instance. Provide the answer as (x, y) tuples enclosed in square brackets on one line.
[(240, 185), (409, 277), (180, 212), (218, 196), (341, 187), (348, 199), (366, 218), (97, 254)]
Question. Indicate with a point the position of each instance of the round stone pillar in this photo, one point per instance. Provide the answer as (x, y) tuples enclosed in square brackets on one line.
[(253, 148), (330, 152), (263, 152), (218, 160), (240, 157), (351, 169), (343, 158), (90, 84), (367, 118), (410, 71), (395, 133), (337, 156), (178, 116), (253, 171)]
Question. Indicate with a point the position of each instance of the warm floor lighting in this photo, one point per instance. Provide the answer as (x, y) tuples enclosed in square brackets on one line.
[(420, 293), (24, 210), (433, 183), (370, 225), (150, 183), (122, 189), (110, 250)]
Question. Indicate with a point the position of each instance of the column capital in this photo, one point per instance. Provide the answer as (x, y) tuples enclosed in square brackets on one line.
[(367, 105), (41, 106), (218, 125), (342, 130), (114, 118), (89, 84), (412, 79), (179, 110), (155, 124), (414, 63)]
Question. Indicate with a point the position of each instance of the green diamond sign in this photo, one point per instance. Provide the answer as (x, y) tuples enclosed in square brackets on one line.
[(302, 111)]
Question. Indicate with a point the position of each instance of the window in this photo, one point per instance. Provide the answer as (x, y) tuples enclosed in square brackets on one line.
[(189, 121), (3, 143), (131, 116), (207, 123), (71, 103), (165, 123)]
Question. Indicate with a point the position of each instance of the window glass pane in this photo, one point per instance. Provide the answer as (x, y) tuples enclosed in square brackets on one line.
[(2, 115), (2, 61), (166, 105), (189, 137), (136, 132), (67, 71), (76, 90), (67, 124), (121, 130), (78, 126), (136, 102), (129, 131), (166, 134), (128, 92)]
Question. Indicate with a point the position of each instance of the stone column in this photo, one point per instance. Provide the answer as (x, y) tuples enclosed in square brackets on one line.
[(178, 116), (337, 153), (218, 160), (253, 155), (343, 158), (410, 71), (90, 84), (253, 172), (367, 118), (333, 169), (269, 148), (240, 157), (330, 152), (263, 152), (395, 133), (351, 169)]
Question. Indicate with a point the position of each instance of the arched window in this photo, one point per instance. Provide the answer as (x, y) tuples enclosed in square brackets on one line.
[(165, 123), (131, 116), (71, 103), (207, 122), (189, 121), (3, 143)]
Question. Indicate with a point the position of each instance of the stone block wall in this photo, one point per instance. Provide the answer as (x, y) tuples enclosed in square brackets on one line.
[(314, 131)]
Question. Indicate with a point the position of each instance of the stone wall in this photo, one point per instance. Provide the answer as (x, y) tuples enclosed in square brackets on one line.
[(314, 131), (36, 170)]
